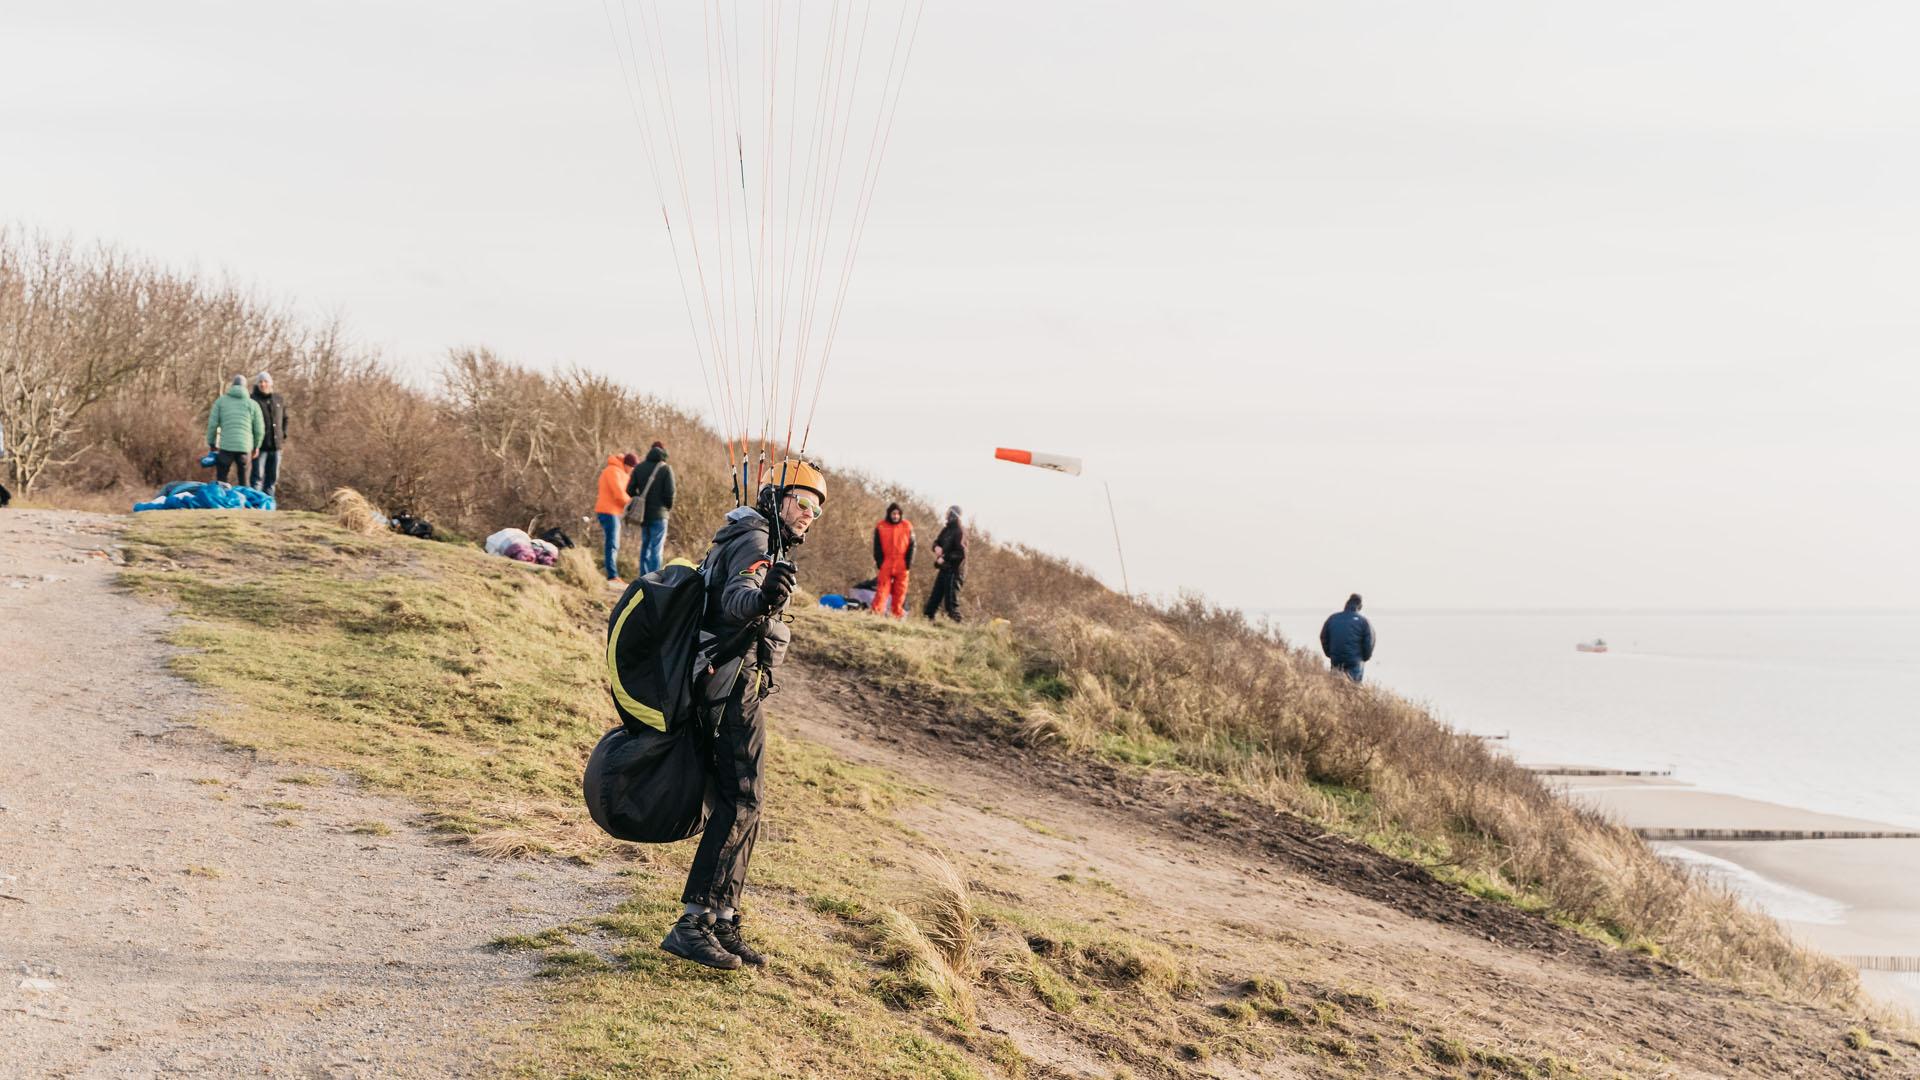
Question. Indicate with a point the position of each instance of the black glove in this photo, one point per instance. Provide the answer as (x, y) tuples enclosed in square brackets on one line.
[(777, 588)]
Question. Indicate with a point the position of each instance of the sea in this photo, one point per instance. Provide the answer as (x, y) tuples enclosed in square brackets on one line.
[(1816, 711)]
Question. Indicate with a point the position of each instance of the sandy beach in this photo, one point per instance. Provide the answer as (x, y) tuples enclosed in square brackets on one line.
[(1852, 898)]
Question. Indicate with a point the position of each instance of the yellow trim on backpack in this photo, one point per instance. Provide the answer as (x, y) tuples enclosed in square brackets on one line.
[(651, 717)]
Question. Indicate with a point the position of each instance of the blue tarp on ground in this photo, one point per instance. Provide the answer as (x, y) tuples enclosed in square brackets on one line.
[(185, 495)]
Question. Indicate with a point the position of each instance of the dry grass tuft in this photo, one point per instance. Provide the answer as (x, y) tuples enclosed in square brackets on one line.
[(352, 510), (928, 941), (920, 975), (943, 907), (577, 568), (508, 844)]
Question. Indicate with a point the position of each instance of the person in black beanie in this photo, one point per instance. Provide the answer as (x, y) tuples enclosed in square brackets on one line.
[(949, 567), (651, 489)]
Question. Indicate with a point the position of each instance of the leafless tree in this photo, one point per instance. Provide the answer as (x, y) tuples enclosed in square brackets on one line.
[(75, 326)]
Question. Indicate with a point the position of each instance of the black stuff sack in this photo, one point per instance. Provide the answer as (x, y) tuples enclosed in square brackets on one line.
[(646, 781), (647, 786)]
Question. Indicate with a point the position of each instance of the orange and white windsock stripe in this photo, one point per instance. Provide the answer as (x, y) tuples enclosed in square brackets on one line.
[(1056, 462)]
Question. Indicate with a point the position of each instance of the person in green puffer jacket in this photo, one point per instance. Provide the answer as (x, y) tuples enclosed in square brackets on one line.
[(235, 429)]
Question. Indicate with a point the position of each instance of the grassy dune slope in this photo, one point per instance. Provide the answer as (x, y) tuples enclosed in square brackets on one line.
[(473, 685)]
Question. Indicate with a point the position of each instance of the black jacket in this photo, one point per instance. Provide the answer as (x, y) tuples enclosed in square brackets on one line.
[(273, 409), (653, 479), (1347, 638), (737, 567), (951, 544)]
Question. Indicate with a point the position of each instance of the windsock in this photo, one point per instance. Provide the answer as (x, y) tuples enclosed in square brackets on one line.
[(1056, 462)]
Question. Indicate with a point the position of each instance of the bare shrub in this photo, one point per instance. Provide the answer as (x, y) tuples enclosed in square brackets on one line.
[(158, 436), (74, 327)]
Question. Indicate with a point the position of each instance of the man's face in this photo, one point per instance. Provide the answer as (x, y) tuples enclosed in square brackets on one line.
[(893, 516), (799, 510), (266, 386)]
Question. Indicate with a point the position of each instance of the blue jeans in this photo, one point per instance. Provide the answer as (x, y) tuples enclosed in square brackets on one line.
[(266, 471), (653, 542), (610, 533), (1355, 671)]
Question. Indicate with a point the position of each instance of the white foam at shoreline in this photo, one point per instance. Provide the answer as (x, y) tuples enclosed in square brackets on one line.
[(1770, 897)]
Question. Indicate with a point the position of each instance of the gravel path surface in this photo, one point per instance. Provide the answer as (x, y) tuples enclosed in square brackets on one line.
[(172, 907)]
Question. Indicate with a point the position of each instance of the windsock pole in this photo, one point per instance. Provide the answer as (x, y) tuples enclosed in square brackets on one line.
[(1115, 518)]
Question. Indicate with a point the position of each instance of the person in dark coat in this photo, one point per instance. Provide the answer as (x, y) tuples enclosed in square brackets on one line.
[(747, 591), (651, 489), (265, 472), (1347, 639), (949, 567)]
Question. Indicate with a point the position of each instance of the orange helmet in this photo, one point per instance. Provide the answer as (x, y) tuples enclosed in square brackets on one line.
[(793, 473)]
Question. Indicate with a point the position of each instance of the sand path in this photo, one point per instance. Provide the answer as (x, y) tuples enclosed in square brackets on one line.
[(172, 907)]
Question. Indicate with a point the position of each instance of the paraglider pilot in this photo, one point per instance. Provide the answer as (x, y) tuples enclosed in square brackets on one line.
[(750, 585)]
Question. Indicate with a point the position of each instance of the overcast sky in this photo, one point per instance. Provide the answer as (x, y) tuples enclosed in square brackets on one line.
[(1488, 305)]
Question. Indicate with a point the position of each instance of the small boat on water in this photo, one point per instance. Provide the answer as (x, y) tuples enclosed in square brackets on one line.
[(1596, 645)]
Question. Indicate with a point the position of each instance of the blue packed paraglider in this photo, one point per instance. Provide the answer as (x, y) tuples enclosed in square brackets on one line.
[(196, 495)]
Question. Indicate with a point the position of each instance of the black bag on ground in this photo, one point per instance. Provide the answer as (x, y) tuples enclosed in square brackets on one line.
[(408, 525), (646, 781)]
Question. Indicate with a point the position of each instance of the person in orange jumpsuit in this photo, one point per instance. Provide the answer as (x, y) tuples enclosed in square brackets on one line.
[(892, 558)]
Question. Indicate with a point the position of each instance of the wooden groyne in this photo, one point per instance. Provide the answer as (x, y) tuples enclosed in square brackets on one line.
[(1882, 963), (1578, 770), (1776, 834)]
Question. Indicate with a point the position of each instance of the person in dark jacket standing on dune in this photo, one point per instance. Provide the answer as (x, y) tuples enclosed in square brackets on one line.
[(265, 474), (949, 567), (651, 489), (1347, 639), (746, 592)]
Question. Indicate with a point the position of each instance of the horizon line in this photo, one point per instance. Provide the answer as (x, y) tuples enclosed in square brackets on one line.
[(1455, 610)]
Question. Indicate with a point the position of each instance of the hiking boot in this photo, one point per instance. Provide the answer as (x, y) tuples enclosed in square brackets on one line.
[(692, 939), (727, 933), (616, 583)]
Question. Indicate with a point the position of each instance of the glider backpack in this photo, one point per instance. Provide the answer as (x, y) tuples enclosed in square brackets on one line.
[(646, 781)]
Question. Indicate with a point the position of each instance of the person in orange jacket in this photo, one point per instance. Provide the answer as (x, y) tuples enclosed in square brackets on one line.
[(608, 507), (892, 558)]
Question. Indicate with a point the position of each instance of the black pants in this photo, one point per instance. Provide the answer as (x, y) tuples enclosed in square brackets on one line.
[(946, 592), (5, 495), (231, 459), (734, 754)]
